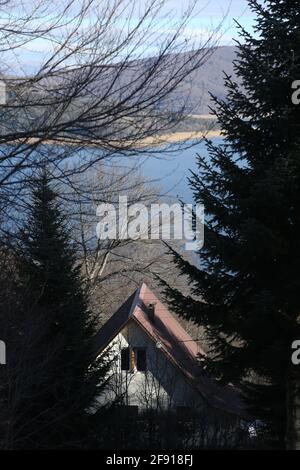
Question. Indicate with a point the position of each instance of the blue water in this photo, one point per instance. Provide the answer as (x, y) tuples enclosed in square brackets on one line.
[(167, 169), (170, 172)]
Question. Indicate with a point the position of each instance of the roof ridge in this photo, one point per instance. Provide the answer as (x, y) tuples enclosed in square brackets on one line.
[(174, 319), (134, 301)]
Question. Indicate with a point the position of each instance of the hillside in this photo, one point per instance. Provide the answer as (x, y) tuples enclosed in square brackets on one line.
[(210, 78)]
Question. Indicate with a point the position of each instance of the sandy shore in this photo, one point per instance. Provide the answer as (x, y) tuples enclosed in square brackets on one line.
[(153, 141), (178, 137)]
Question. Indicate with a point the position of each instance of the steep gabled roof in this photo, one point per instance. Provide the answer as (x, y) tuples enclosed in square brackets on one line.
[(112, 327), (174, 342)]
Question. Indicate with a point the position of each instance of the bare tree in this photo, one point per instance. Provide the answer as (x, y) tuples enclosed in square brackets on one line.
[(87, 81), (102, 78), (111, 266)]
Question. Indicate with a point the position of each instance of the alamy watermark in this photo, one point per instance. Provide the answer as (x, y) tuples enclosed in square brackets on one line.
[(296, 354), (2, 352), (295, 357), (296, 93), (123, 221)]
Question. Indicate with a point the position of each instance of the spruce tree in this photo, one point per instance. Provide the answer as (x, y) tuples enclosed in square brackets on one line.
[(65, 379), (246, 291)]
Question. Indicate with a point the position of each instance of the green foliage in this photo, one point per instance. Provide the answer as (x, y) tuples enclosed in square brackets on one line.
[(246, 291), (52, 379)]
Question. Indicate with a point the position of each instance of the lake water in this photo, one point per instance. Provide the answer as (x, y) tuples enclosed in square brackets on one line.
[(167, 169), (171, 171)]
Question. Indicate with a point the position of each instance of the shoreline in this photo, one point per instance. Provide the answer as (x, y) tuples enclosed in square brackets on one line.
[(180, 136), (153, 141)]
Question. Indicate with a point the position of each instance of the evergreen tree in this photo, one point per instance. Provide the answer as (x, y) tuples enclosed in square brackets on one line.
[(64, 379), (246, 291)]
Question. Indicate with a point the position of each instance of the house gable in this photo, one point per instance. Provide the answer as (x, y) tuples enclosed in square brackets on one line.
[(161, 385), (167, 336)]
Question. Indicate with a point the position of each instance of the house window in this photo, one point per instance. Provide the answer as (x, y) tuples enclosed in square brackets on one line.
[(125, 356), (133, 359), (140, 359)]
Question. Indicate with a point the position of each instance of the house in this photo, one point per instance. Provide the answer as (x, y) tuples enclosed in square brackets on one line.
[(156, 364)]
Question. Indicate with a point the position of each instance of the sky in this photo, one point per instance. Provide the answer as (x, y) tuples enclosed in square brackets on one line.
[(207, 16), (211, 13)]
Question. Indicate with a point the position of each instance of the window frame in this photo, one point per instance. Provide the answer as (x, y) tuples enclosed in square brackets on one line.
[(133, 361), (137, 351)]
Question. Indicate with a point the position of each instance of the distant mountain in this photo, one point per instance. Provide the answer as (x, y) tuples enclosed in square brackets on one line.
[(208, 78), (118, 83), (194, 89)]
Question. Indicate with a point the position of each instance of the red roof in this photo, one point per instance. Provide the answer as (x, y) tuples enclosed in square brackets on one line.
[(174, 342)]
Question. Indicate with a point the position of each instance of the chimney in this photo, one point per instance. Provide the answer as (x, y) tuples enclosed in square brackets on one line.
[(151, 312)]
